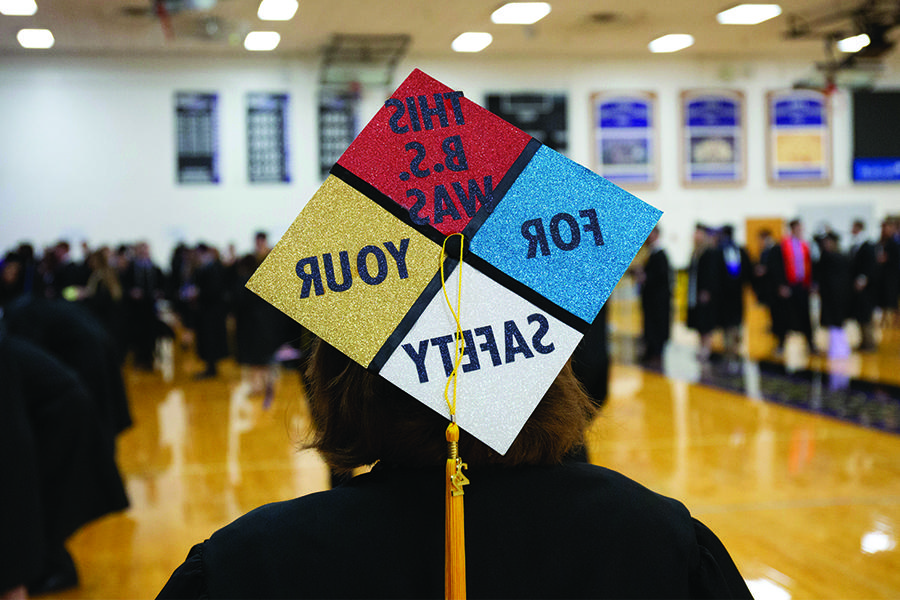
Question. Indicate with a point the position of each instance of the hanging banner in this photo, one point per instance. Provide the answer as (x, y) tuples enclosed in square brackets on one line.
[(713, 137), (799, 142), (197, 137), (267, 146), (624, 129)]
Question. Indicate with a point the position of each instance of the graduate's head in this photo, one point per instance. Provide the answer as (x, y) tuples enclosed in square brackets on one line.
[(360, 418)]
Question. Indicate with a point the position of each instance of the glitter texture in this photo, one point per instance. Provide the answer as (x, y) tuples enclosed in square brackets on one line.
[(426, 167), (358, 320), (578, 277), (494, 400)]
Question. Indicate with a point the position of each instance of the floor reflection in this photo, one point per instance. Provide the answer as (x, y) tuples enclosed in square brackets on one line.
[(833, 392)]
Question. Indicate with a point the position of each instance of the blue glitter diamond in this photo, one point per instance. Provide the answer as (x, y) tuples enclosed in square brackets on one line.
[(565, 232)]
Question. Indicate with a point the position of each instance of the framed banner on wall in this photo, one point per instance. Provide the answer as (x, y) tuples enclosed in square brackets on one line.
[(542, 116), (197, 137), (625, 146), (713, 138), (267, 146), (799, 137), (338, 125)]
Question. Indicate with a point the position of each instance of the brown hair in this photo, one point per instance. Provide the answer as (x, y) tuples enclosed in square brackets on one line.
[(360, 418)]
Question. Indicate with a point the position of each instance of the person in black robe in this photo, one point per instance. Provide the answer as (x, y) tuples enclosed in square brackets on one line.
[(888, 257), (790, 272), (211, 300), (102, 295), (65, 273), (863, 267), (762, 286), (833, 280), (655, 283), (831, 272), (704, 280), (260, 328), (143, 284), (57, 469), (536, 526), (736, 273), (69, 331)]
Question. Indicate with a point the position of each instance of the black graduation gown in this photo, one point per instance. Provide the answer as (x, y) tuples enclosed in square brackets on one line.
[(791, 313), (57, 468), (212, 311), (832, 274), (260, 328), (69, 331), (656, 302), (862, 264), (704, 275), (567, 531), (142, 284), (889, 274), (731, 305)]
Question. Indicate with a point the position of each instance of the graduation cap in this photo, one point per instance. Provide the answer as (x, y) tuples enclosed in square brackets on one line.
[(372, 263)]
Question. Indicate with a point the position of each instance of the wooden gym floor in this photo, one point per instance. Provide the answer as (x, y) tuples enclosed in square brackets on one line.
[(808, 505)]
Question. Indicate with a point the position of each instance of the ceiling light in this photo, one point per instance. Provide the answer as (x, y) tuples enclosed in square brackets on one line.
[(472, 41), (671, 43), (277, 10), (18, 8), (748, 14), (261, 41), (520, 13), (35, 38), (853, 44)]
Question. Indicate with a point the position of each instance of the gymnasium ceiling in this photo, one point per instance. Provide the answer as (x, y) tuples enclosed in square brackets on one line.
[(574, 29)]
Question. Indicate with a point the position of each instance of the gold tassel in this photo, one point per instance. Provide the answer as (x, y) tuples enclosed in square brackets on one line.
[(455, 536)]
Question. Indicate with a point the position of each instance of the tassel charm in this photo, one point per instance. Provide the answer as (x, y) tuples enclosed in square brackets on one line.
[(455, 546)]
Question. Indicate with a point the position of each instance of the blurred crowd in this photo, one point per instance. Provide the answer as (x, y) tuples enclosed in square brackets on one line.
[(201, 290), (66, 329), (804, 283)]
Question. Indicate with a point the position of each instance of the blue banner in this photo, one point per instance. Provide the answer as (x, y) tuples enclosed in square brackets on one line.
[(876, 169), (625, 114), (799, 112), (713, 112)]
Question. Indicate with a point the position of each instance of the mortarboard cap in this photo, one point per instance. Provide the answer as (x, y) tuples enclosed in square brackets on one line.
[(545, 242)]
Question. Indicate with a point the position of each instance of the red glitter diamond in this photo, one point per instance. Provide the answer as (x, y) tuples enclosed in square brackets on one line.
[(434, 152)]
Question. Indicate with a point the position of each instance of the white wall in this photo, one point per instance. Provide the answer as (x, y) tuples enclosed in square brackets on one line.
[(87, 145)]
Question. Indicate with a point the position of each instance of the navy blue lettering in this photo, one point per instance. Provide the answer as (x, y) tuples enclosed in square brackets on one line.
[(312, 277), (470, 351), (533, 231), (363, 267), (575, 231), (394, 119), (417, 207), (413, 114), (443, 343), (333, 285), (536, 339), (486, 198), (415, 162), (515, 342), (454, 153), (399, 256), (443, 205), (454, 97), (593, 226), (438, 111), (419, 359), (490, 344)]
